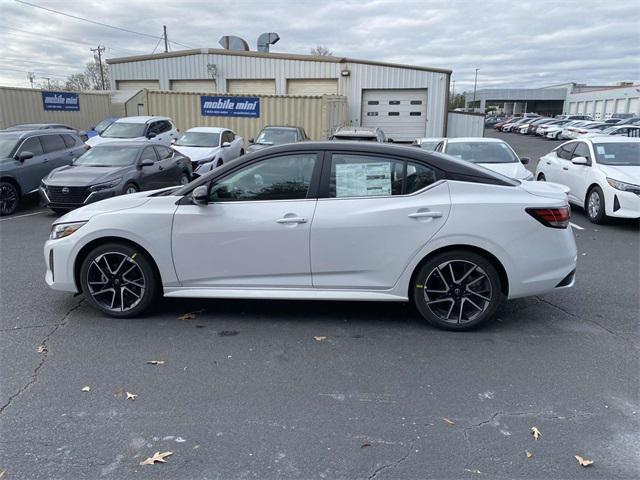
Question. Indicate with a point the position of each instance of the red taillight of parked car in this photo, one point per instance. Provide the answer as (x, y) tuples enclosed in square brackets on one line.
[(86, 147), (551, 217)]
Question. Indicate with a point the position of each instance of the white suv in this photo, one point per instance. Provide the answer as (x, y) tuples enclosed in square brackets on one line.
[(153, 129)]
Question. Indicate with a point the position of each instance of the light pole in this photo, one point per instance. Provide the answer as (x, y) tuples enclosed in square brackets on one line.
[(475, 84)]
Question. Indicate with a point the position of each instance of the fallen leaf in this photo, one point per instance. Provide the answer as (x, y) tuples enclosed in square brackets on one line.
[(157, 457), (155, 362), (131, 396), (448, 421), (190, 315), (41, 349), (86, 388), (319, 339), (583, 462), (529, 454), (365, 445), (536, 433)]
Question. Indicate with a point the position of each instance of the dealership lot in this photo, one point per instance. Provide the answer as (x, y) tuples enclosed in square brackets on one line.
[(329, 390)]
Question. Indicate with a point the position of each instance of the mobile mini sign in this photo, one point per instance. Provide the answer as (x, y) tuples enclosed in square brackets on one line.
[(214, 106), (61, 101)]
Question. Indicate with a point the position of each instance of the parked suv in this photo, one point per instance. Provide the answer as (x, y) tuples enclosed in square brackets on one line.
[(130, 129), (277, 135), (49, 126), (360, 134), (26, 156)]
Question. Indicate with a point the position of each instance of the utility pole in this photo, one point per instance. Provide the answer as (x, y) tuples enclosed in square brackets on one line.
[(475, 84), (99, 51), (166, 41), (48, 81), (31, 76)]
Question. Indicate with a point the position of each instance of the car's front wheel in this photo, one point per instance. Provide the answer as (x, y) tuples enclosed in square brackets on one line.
[(184, 179), (119, 280), (131, 188), (542, 178), (9, 198), (595, 205), (457, 290)]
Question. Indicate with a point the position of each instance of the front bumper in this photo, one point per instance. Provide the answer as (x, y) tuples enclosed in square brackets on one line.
[(621, 204), (60, 270)]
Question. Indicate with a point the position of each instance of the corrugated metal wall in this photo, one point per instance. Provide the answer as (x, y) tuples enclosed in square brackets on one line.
[(24, 105), (318, 115), (461, 124)]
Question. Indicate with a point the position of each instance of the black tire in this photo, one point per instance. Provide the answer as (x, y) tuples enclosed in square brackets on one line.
[(594, 205), (542, 178), (122, 277), (184, 179), (9, 198), (241, 152), (219, 162), (60, 211), (460, 286), (131, 188)]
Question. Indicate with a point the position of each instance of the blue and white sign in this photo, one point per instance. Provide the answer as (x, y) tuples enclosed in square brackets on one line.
[(65, 101), (214, 106)]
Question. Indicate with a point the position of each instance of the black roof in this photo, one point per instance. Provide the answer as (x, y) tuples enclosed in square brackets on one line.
[(38, 131)]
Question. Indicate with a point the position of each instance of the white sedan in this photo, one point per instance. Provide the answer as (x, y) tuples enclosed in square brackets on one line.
[(491, 153), (137, 129), (602, 173), (324, 221), (209, 147)]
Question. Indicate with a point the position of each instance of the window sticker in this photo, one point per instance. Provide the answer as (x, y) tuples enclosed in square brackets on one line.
[(363, 179), (600, 149)]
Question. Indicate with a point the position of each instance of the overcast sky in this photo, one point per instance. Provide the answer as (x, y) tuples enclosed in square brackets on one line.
[(515, 43)]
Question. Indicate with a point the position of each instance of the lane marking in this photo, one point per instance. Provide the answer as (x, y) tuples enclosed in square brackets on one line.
[(22, 216), (576, 226)]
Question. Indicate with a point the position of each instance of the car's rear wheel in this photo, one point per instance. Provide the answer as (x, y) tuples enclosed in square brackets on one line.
[(9, 198), (131, 188), (542, 178), (119, 280), (184, 179), (595, 205), (457, 290), (241, 152)]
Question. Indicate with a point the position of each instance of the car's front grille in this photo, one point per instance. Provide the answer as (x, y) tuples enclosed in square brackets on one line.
[(67, 195)]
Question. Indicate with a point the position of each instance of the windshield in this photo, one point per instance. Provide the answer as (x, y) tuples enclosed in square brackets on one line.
[(276, 136), (429, 145), (199, 139), (618, 153), (610, 129), (103, 125), (7, 142), (482, 152), (108, 156), (124, 130)]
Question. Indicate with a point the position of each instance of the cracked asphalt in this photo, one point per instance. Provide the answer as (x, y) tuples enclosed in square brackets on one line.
[(246, 391)]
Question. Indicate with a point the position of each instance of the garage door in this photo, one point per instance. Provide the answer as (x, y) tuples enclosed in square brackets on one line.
[(608, 108), (206, 85), (621, 105), (634, 106), (137, 84), (308, 86), (599, 110), (257, 87), (401, 114)]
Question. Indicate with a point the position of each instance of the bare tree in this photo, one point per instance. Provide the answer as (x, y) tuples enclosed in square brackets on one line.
[(321, 51), (89, 79)]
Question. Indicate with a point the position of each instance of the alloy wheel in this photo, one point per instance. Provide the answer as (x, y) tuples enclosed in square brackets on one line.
[(457, 291), (8, 199), (116, 281), (131, 189), (593, 205), (184, 180)]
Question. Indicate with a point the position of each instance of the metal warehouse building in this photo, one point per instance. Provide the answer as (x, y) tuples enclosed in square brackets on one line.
[(405, 101)]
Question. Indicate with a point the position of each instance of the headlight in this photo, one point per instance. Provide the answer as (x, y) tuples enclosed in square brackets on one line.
[(62, 230), (625, 187), (105, 185)]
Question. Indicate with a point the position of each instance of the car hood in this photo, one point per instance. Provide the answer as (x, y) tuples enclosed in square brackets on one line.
[(78, 176), (197, 154), (97, 140), (512, 170), (121, 202), (622, 173), (546, 189)]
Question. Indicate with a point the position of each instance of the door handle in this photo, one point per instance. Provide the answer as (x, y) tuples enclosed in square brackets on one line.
[(548, 163), (286, 220), (425, 215), (565, 168)]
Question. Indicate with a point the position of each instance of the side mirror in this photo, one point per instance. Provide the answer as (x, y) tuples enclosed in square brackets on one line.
[(251, 140), (200, 195), (147, 163), (579, 161), (22, 156), (525, 160), (173, 141), (151, 135), (226, 144)]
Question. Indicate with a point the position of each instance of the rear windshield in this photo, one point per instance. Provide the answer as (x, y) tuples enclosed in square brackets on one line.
[(622, 154), (482, 152)]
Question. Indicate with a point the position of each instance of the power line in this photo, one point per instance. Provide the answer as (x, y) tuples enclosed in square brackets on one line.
[(34, 71), (95, 22), (29, 62)]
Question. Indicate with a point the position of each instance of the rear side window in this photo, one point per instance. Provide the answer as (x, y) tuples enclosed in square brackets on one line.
[(32, 145), (69, 141), (52, 143)]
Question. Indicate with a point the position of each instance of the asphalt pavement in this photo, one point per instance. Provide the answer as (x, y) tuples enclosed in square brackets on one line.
[(273, 389)]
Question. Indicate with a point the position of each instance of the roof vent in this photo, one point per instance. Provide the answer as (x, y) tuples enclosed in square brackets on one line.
[(266, 39), (231, 42)]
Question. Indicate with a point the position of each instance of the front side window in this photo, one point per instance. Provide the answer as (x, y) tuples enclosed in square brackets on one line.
[(286, 177), (164, 126), (52, 143), (164, 152), (582, 150), (227, 136), (149, 154), (32, 145), (565, 151)]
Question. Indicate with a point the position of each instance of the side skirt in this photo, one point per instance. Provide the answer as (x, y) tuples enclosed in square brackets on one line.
[(283, 294)]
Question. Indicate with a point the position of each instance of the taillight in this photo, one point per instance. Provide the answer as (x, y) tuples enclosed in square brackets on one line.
[(551, 217), (86, 146)]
